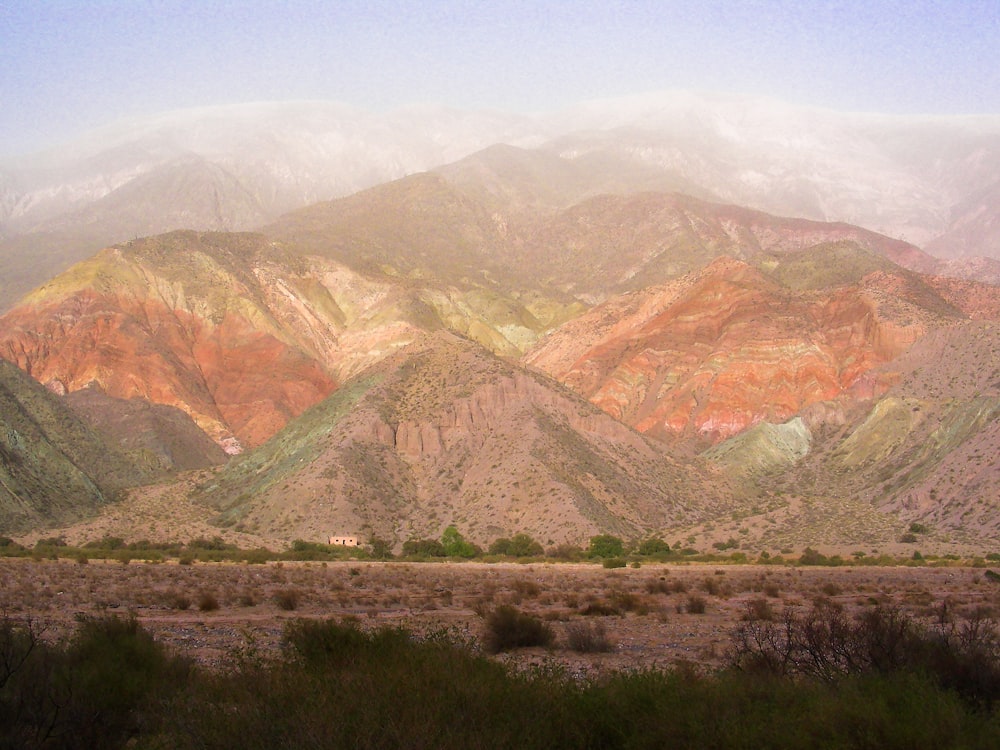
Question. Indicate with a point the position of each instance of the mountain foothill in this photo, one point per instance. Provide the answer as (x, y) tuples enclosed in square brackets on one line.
[(562, 333)]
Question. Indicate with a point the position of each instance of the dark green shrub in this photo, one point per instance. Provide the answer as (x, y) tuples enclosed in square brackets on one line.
[(111, 680), (379, 548), (508, 628), (812, 557), (654, 547), (614, 562), (519, 545), (423, 548)]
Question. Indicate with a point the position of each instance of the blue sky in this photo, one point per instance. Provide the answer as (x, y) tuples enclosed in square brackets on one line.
[(69, 66)]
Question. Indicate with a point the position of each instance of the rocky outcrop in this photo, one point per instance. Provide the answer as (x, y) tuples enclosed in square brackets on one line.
[(928, 448)]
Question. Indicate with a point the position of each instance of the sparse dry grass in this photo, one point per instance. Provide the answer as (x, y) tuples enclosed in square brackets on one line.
[(646, 613)]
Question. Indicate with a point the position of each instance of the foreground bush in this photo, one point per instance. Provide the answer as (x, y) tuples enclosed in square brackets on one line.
[(826, 645), (338, 686), (103, 688)]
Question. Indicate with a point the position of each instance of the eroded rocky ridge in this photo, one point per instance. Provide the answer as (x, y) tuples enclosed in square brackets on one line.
[(447, 433)]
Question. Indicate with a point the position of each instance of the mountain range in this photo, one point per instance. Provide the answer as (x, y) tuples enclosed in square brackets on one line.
[(927, 180), (588, 325)]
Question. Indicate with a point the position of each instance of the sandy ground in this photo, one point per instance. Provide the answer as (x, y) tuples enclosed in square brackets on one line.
[(216, 612)]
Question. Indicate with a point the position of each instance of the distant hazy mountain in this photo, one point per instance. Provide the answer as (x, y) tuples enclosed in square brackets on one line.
[(221, 168), (925, 180), (903, 176)]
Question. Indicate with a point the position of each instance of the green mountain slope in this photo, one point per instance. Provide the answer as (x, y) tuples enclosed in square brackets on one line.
[(53, 467)]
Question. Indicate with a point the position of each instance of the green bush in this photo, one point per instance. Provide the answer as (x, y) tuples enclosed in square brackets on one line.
[(606, 545), (455, 545), (379, 548), (103, 688), (519, 545), (653, 547), (423, 548)]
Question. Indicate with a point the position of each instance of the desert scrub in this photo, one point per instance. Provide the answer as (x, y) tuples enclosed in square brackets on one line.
[(588, 637), (695, 605), (287, 599), (508, 628)]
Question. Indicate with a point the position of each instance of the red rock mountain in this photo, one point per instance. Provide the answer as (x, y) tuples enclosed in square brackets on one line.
[(179, 320), (244, 333), (347, 340), (729, 346)]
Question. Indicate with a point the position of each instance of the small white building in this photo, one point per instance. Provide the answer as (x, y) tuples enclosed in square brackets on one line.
[(343, 541)]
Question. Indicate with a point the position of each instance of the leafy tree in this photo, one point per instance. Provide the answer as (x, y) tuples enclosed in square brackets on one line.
[(520, 545), (381, 549), (423, 548), (653, 546), (606, 545), (455, 545)]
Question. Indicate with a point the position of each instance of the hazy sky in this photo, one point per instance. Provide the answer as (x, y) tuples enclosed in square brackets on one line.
[(68, 66)]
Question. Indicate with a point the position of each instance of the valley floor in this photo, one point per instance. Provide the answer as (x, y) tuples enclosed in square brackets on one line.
[(656, 615)]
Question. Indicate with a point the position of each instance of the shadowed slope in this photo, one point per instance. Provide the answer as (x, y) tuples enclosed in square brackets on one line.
[(161, 438), (53, 467)]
